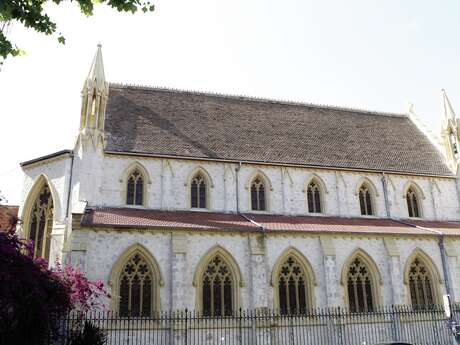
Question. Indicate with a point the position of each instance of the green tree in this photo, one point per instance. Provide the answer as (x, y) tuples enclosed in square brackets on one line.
[(30, 13)]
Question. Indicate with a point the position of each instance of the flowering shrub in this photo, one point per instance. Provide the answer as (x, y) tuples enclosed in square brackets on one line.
[(32, 296), (85, 295)]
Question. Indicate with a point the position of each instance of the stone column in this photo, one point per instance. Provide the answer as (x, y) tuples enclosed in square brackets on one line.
[(179, 287), (257, 266), (452, 263), (259, 286), (330, 272), (394, 266)]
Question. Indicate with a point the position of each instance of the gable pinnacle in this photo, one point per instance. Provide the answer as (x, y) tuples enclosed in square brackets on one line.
[(96, 73), (448, 109)]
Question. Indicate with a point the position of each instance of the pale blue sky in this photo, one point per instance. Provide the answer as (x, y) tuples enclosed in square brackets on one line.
[(368, 54)]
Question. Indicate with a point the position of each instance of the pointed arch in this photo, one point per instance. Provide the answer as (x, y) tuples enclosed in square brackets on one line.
[(131, 184), (39, 214), (259, 187), (411, 184), (116, 276), (199, 190), (315, 190), (432, 269), (262, 175), (359, 284), (37, 185), (197, 170), (420, 253), (366, 181), (232, 275), (293, 267), (367, 196)]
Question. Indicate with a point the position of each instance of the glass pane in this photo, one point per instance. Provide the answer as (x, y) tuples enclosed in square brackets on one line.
[(310, 200), (254, 204), (202, 195), (130, 192), (282, 295), (135, 296), (261, 198), (139, 191), (124, 297), (206, 297), (194, 194), (317, 201), (147, 297), (228, 296)]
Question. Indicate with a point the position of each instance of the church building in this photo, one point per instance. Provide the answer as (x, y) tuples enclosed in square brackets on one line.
[(183, 199)]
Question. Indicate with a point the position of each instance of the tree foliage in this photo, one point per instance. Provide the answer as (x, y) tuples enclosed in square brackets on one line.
[(33, 297), (31, 14)]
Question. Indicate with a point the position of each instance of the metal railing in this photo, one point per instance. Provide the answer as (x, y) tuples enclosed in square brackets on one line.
[(328, 326)]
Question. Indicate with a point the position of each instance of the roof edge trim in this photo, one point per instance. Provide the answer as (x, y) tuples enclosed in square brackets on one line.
[(46, 157), (256, 99)]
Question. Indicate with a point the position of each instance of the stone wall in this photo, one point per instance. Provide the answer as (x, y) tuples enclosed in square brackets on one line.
[(179, 255)]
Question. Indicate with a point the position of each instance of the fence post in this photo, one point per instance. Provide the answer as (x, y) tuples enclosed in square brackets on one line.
[(185, 328), (339, 327), (396, 324), (240, 335)]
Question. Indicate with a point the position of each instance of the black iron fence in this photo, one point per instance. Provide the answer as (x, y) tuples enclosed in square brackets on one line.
[(329, 326)]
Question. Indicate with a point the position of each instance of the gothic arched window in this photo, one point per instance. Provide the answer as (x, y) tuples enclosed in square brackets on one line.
[(198, 191), (412, 203), (420, 284), (360, 287), (365, 200), (292, 287), (258, 200), (41, 223), (314, 198), (135, 188), (218, 285), (136, 287)]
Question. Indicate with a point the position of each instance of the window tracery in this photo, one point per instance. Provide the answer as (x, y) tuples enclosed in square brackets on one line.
[(360, 287), (258, 199), (217, 285), (198, 191), (136, 287), (135, 188), (292, 287), (41, 223), (420, 284)]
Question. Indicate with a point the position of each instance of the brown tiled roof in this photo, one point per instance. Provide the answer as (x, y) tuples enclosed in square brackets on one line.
[(190, 220), (155, 121), (128, 217), (8, 216)]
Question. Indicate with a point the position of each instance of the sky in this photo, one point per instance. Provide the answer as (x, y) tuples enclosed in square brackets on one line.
[(368, 54)]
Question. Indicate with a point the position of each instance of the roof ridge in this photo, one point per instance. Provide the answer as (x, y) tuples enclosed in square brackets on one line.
[(258, 99)]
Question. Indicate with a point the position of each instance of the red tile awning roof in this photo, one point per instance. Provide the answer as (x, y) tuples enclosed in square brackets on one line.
[(195, 220)]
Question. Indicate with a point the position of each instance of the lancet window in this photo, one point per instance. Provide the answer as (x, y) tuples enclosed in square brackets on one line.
[(198, 191), (135, 188), (314, 198), (412, 203), (365, 200), (258, 197), (41, 223)]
